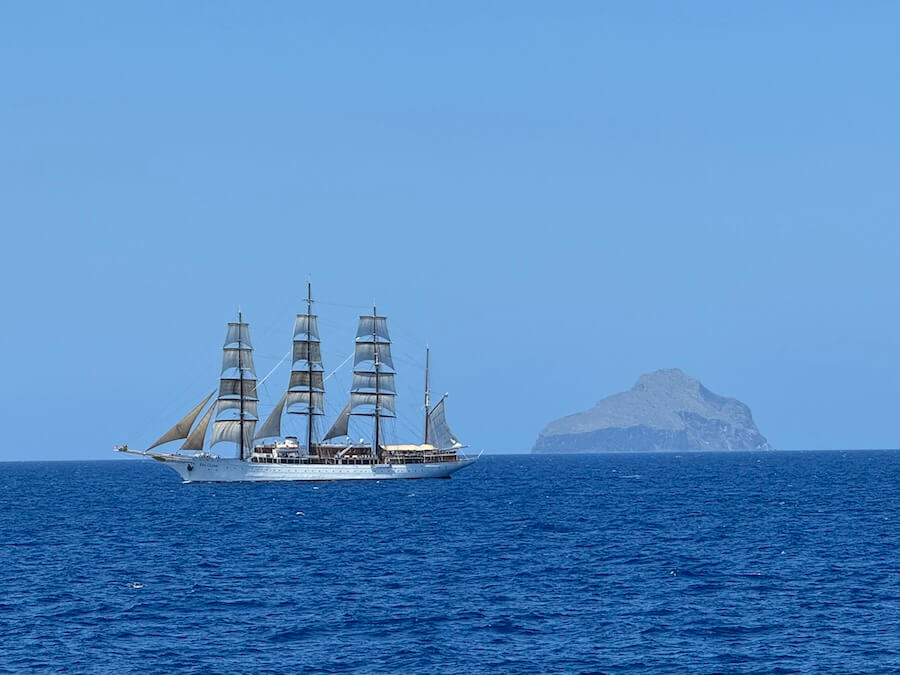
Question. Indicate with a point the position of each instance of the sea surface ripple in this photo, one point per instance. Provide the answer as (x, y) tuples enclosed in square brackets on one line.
[(730, 562)]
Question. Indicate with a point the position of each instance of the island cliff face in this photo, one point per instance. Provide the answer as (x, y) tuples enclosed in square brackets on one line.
[(664, 410)]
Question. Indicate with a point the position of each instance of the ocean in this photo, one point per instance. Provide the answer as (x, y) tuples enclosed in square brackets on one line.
[(777, 562)]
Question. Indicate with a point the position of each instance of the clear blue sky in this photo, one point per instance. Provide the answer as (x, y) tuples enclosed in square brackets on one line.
[(558, 199)]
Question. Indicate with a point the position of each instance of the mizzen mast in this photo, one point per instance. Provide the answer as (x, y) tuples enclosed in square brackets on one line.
[(427, 392)]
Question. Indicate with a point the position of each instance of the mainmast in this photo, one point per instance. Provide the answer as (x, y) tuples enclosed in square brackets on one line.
[(307, 383), (305, 393)]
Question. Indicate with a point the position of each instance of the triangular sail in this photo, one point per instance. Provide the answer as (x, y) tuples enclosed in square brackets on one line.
[(272, 426), (341, 424), (439, 434), (183, 428), (195, 438)]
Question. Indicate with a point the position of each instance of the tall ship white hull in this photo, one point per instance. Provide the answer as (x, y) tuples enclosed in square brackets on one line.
[(264, 453), (223, 470)]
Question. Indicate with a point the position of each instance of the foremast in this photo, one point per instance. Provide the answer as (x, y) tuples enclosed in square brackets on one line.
[(237, 407)]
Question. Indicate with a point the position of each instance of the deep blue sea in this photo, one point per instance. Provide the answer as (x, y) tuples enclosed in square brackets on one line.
[(738, 563)]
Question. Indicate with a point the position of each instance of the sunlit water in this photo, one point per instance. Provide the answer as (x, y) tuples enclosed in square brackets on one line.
[(745, 562)]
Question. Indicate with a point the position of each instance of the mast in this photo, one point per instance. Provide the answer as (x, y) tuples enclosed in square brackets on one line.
[(373, 390), (427, 391), (309, 371), (237, 405), (377, 402), (241, 387), (306, 388)]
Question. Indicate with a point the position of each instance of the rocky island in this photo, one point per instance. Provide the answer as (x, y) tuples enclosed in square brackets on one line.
[(664, 410)]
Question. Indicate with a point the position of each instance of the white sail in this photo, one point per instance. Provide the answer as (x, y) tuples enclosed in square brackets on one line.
[(306, 387), (238, 335), (364, 354), (234, 358), (233, 387), (305, 351), (272, 426), (229, 431), (372, 326), (365, 383), (306, 328), (303, 400), (237, 405), (341, 424), (251, 407), (373, 390), (195, 439), (364, 404), (306, 380), (439, 434), (183, 428)]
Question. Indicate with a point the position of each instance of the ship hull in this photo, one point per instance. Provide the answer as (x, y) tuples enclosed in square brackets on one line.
[(221, 470)]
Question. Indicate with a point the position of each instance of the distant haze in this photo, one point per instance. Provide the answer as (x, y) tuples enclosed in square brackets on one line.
[(556, 199)]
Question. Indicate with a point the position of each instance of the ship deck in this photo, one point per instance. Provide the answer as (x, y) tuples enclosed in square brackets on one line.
[(389, 459)]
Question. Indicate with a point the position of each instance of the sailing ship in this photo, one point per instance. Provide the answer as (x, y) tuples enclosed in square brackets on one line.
[(262, 453)]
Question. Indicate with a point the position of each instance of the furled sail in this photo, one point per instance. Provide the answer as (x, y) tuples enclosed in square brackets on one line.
[(341, 424), (183, 428), (439, 433), (195, 439)]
